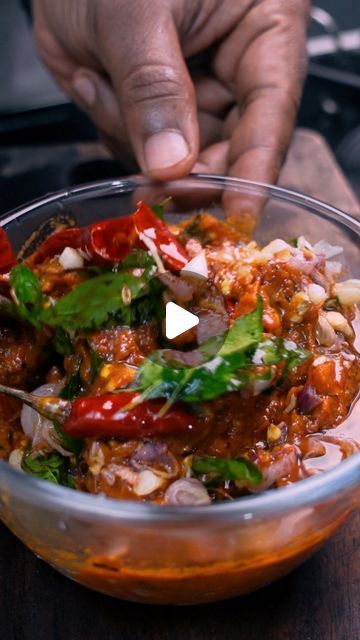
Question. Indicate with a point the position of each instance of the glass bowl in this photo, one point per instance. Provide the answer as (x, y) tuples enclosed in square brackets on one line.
[(184, 555)]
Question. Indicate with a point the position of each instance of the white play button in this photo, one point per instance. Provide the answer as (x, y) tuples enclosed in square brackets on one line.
[(178, 320)]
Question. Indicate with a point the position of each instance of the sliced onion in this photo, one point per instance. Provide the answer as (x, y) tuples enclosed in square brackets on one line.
[(147, 482), (308, 399), (149, 452), (38, 429), (333, 269), (211, 324), (181, 288), (187, 491), (187, 358), (155, 456), (328, 250), (303, 264), (279, 467), (320, 279), (143, 482)]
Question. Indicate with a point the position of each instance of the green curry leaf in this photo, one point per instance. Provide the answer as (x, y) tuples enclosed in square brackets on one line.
[(240, 469), (29, 299)]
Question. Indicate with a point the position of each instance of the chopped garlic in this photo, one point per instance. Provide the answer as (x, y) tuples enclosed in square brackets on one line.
[(275, 246), (339, 323), (320, 360), (147, 482), (259, 257), (300, 303), (71, 259), (96, 459), (316, 293), (15, 459), (225, 286), (348, 292), (292, 403), (325, 333)]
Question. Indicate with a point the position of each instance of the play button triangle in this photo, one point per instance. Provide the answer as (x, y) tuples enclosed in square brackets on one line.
[(178, 320)]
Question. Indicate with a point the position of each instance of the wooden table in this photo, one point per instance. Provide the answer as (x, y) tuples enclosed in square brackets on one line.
[(318, 601)]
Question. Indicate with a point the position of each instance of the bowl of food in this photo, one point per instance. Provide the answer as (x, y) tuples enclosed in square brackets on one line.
[(167, 458)]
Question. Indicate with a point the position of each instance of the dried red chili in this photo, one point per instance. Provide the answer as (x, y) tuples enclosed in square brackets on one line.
[(104, 417)]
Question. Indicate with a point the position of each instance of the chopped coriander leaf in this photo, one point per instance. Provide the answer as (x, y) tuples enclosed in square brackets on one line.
[(238, 469), (28, 296), (52, 467), (150, 306), (231, 369), (194, 230), (293, 242), (62, 343), (212, 378), (137, 259), (275, 350), (95, 302)]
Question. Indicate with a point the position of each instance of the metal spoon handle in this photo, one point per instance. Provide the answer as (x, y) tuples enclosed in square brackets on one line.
[(49, 407)]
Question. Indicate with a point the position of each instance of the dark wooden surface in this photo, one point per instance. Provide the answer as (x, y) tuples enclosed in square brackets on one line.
[(318, 601)]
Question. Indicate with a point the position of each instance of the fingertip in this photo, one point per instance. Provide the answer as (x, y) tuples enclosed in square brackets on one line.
[(84, 89), (167, 156)]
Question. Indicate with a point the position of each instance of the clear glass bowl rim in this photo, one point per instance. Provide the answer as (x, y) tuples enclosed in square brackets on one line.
[(308, 492)]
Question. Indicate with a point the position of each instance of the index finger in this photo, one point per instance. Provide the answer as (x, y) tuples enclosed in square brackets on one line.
[(264, 61)]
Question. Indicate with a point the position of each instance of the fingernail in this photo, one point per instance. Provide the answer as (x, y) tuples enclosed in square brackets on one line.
[(165, 149), (85, 89)]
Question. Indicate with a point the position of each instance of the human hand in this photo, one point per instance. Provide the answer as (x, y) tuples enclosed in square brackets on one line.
[(181, 85)]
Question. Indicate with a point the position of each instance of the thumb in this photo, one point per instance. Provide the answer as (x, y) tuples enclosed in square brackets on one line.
[(154, 91)]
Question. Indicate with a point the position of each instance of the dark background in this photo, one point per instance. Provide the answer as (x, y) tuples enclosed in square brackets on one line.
[(24, 81), (34, 112), (318, 601)]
